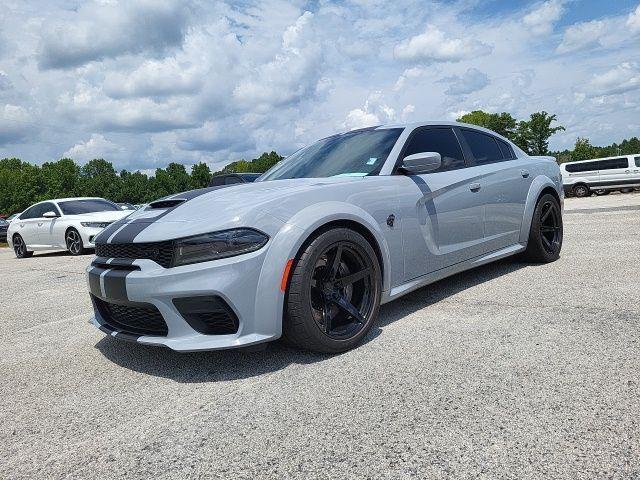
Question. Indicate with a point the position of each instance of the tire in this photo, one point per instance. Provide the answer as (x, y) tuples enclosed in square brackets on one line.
[(581, 191), (74, 244), (626, 190), (20, 248), (545, 234), (323, 312), (602, 192)]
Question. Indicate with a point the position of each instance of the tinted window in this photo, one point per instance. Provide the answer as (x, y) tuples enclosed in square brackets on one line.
[(613, 163), (483, 147), (232, 180), (77, 207), (637, 161), (441, 140), (505, 148), (29, 213), (47, 207), (581, 167), (352, 154)]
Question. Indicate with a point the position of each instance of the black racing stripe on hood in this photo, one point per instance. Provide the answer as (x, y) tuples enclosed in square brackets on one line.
[(104, 235), (136, 226)]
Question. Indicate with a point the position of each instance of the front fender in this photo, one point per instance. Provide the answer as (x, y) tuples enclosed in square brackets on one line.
[(537, 185), (287, 242)]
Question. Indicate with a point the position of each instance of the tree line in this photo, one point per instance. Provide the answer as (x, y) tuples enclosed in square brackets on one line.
[(533, 136), (23, 184)]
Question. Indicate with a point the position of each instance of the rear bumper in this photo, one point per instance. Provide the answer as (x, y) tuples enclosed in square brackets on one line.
[(235, 280)]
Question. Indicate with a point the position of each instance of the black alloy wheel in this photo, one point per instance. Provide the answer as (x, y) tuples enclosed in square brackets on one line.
[(20, 248), (545, 234), (341, 290), (550, 227), (334, 291)]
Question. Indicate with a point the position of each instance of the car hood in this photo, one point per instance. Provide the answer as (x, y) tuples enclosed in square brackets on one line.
[(262, 205)]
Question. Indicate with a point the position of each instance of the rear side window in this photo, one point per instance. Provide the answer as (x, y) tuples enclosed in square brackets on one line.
[(637, 161), (612, 163), (483, 147), (581, 167), (441, 140), (507, 152)]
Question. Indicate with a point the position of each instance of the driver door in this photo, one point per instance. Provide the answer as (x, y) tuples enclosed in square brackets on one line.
[(443, 217), (46, 225)]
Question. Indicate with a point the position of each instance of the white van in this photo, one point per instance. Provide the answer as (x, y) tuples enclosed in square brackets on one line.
[(601, 175)]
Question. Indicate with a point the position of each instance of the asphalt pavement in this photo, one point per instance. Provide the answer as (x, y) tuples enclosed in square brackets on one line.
[(511, 370)]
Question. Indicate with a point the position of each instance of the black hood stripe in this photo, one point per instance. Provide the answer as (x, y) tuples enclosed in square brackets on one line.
[(133, 228)]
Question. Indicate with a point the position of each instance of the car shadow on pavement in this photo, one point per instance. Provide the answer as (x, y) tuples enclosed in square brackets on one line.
[(225, 365)]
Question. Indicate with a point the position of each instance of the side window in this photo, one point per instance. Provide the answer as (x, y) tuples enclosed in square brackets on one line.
[(483, 147), (582, 167), (505, 148), (613, 163), (48, 207), (637, 159), (28, 213), (441, 140)]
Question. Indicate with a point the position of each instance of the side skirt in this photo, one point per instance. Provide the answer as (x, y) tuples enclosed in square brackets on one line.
[(423, 280)]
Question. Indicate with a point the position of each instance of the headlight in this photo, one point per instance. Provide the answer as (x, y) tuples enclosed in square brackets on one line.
[(95, 224), (212, 246)]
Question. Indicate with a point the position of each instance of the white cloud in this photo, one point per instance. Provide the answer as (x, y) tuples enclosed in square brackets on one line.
[(292, 75), (434, 46), (470, 81), (96, 147), (633, 21), (581, 35), (101, 30), (542, 19), (15, 123), (374, 112), (621, 79)]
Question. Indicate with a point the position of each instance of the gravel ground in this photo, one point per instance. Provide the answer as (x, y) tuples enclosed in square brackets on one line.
[(507, 371)]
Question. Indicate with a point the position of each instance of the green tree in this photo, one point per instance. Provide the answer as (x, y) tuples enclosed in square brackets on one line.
[(61, 178), (173, 179), (200, 175), (502, 123), (134, 187), (540, 130), (98, 178), (583, 150)]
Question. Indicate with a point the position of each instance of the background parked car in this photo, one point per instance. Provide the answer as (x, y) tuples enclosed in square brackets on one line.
[(601, 175), (126, 206), (68, 224), (231, 178), (4, 226)]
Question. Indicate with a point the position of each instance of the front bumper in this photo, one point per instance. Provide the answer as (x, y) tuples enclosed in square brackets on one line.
[(235, 280)]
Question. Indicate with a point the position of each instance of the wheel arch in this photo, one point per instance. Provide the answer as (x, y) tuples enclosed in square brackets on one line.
[(540, 185), (291, 239)]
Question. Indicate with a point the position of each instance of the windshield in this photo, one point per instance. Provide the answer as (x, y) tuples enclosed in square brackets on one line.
[(77, 207), (358, 153)]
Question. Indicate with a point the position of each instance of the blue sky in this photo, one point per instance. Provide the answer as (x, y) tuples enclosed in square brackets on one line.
[(143, 83)]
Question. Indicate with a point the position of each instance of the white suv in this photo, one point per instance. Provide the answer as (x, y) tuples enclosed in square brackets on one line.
[(601, 175), (64, 224)]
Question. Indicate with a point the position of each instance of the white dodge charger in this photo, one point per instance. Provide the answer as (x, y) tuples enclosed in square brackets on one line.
[(64, 224)]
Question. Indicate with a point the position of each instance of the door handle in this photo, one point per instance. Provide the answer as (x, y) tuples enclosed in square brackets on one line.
[(524, 173), (627, 171), (40, 224), (474, 187)]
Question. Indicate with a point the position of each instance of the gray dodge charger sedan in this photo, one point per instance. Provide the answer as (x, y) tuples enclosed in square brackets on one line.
[(312, 248)]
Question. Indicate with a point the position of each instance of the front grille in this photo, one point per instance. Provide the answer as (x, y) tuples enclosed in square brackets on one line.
[(135, 318), (159, 252)]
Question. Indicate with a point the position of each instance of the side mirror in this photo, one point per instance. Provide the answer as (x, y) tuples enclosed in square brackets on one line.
[(422, 162), (49, 215)]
